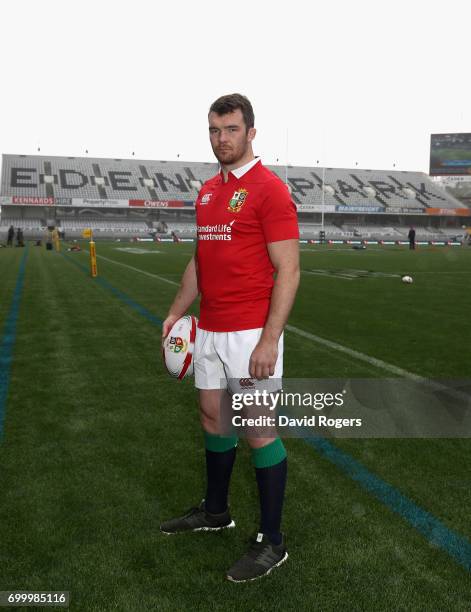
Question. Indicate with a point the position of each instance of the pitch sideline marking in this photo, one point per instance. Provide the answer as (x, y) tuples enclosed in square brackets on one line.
[(9, 338), (380, 364), (377, 363), (351, 274), (137, 251), (120, 263), (325, 275)]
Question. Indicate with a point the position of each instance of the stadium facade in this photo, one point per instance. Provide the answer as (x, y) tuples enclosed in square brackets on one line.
[(143, 198)]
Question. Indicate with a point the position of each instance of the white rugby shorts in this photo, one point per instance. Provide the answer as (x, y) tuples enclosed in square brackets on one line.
[(220, 357)]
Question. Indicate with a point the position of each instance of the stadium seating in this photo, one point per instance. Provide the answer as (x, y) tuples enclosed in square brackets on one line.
[(181, 228), (139, 197), (25, 224), (116, 179), (311, 230), (104, 225), (373, 231)]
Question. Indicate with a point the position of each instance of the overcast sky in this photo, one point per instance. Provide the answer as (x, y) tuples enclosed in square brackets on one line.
[(341, 82)]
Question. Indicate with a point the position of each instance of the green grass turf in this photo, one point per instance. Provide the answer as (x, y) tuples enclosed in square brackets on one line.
[(100, 445)]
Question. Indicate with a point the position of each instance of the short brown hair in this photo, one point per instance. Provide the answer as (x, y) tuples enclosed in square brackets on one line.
[(230, 103)]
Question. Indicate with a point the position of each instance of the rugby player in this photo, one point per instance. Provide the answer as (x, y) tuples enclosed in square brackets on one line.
[(246, 269)]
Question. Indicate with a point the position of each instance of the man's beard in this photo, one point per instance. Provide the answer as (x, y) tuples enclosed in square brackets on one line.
[(229, 157)]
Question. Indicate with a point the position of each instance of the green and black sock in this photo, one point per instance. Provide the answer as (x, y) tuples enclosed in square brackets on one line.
[(271, 468), (220, 457)]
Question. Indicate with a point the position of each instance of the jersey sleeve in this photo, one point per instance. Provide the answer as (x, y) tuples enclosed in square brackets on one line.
[(278, 214)]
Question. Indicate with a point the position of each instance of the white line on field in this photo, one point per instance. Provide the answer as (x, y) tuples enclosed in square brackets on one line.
[(351, 274), (377, 363), (120, 263), (327, 275)]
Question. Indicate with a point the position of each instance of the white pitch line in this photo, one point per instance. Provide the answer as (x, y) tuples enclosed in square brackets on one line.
[(120, 263), (377, 363), (326, 275)]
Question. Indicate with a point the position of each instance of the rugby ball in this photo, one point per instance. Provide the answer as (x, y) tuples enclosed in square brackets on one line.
[(178, 346), (407, 279)]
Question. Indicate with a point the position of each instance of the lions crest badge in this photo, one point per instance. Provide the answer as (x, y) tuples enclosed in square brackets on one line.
[(177, 344), (237, 200)]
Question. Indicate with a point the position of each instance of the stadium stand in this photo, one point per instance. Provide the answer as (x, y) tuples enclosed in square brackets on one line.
[(102, 225), (114, 179), (143, 198), (181, 228), (24, 223)]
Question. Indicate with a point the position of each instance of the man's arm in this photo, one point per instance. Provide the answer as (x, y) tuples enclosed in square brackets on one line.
[(186, 295), (284, 256)]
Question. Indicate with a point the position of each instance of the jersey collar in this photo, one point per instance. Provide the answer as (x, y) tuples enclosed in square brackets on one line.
[(239, 172)]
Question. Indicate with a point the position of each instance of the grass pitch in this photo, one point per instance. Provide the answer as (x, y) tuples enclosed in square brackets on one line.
[(99, 444)]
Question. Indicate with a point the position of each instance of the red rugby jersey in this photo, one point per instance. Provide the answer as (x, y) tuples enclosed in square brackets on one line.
[(235, 221)]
